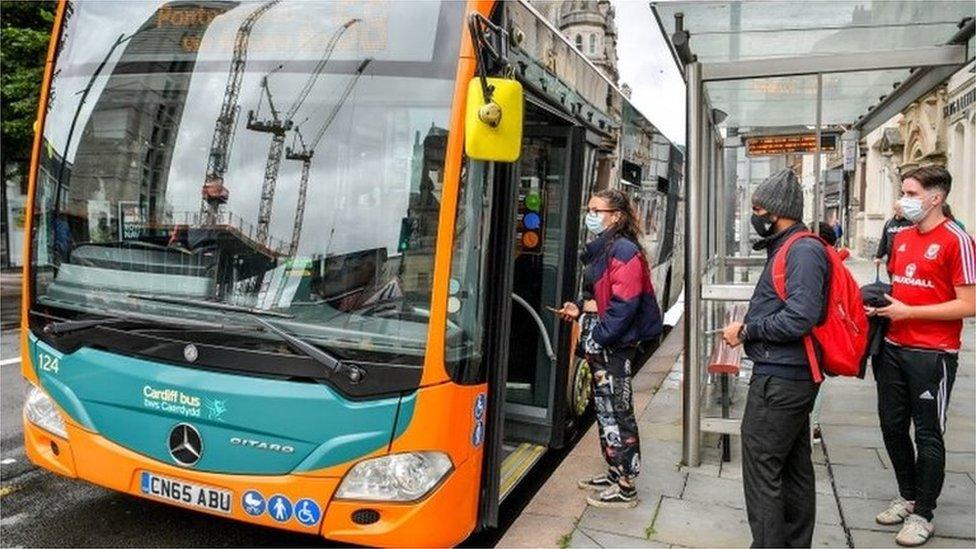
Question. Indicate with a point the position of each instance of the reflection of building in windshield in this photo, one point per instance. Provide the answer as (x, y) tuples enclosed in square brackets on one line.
[(126, 148), (53, 237), (418, 231)]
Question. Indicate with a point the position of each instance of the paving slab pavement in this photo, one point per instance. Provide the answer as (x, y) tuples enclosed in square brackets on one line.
[(703, 506)]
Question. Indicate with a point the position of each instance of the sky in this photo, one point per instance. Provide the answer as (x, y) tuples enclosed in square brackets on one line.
[(646, 65)]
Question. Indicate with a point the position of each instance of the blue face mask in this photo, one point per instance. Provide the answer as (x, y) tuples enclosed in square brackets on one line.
[(594, 222)]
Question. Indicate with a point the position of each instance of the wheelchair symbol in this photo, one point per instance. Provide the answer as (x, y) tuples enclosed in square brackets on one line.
[(307, 512)]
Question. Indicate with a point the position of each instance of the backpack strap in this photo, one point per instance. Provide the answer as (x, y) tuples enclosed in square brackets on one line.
[(779, 284), (779, 261)]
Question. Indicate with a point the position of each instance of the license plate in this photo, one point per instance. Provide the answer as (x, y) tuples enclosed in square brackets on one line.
[(186, 494)]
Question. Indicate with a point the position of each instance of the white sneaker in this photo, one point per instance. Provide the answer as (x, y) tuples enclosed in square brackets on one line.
[(915, 532), (896, 512)]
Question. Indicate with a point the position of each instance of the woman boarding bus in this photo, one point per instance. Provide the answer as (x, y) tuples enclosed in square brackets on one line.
[(621, 314)]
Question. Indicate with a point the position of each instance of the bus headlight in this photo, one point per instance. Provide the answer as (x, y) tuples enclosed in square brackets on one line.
[(42, 411), (397, 477)]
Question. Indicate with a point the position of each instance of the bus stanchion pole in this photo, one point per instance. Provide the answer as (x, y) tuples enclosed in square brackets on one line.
[(690, 388)]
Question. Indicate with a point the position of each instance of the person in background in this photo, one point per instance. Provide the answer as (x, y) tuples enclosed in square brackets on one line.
[(947, 211), (893, 226), (63, 239), (618, 279), (838, 230), (829, 235), (777, 470), (933, 288)]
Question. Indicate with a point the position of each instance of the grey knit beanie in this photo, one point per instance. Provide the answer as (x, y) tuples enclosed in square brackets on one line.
[(781, 195)]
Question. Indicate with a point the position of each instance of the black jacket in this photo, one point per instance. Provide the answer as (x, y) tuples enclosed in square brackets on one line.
[(891, 227), (873, 296), (774, 328)]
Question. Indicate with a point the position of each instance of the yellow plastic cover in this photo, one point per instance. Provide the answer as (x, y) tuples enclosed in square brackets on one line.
[(503, 143)]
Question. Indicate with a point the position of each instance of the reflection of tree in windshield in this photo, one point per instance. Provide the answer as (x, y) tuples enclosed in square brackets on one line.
[(369, 170)]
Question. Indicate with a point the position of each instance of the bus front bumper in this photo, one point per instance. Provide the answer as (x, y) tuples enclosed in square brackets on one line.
[(443, 518)]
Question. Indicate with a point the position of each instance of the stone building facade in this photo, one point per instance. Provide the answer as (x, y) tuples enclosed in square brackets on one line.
[(590, 26), (939, 128)]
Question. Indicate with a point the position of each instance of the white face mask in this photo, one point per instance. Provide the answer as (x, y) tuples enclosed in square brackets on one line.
[(912, 208), (594, 222)]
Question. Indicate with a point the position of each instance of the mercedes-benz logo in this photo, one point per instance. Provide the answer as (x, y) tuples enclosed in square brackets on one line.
[(185, 444), (190, 352)]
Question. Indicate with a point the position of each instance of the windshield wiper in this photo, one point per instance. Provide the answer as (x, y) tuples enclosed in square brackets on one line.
[(209, 305), (334, 364), (63, 326), (66, 326)]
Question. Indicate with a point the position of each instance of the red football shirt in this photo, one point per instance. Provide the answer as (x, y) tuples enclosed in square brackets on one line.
[(925, 269)]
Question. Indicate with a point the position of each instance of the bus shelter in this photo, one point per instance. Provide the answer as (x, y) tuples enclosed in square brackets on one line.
[(772, 85)]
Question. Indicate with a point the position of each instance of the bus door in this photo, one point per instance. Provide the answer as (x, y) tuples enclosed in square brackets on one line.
[(533, 263), (547, 181)]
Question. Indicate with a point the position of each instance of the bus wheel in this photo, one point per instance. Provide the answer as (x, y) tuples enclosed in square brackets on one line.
[(582, 393)]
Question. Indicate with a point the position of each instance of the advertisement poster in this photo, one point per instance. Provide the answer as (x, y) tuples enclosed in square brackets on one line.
[(132, 220)]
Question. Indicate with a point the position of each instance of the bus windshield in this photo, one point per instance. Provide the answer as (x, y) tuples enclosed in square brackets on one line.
[(204, 158)]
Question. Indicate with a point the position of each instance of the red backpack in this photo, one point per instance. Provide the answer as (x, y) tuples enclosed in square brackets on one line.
[(843, 334)]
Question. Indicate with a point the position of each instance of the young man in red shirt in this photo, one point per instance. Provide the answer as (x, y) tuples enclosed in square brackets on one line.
[(933, 272)]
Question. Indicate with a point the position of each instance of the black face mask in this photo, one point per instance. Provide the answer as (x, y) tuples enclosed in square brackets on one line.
[(763, 225)]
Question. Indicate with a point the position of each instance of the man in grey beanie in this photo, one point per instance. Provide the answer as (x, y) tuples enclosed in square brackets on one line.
[(777, 472)]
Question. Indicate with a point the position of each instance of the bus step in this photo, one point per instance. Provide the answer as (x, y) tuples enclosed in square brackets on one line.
[(517, 463)]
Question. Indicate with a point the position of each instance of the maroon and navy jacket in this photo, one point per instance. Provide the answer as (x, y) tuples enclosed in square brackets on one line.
[(618, 278)]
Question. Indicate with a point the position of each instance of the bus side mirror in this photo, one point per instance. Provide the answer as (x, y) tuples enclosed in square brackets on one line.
[(493, 130)]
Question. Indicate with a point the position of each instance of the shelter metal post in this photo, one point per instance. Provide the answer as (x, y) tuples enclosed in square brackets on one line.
[(690, 388), (721, 210), (817, 184), (730, 194), (745, 208)]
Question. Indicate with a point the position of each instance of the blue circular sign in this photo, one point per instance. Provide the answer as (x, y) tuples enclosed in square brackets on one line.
[(478, 436), (253, 502), (307, 512), (479, 406), (279, 508), (532, 221)]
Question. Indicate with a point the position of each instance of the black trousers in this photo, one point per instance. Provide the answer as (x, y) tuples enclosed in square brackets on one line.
[(777, 471), (914, 387), (613, 398)]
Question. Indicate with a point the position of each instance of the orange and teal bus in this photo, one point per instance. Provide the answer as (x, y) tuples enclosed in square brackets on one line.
[(283, 267)]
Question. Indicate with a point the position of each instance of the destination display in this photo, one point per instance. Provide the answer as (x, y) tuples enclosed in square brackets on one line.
[(768, 145)]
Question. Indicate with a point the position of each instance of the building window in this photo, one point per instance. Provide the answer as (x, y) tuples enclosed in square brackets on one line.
[(579, 42), (592, 44)]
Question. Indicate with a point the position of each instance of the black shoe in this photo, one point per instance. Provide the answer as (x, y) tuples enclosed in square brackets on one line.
[(614, 496), (598, 482)]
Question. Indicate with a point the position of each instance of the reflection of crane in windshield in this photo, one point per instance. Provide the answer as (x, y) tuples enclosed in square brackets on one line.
[(278, 125), (305, 155), (214, 192)]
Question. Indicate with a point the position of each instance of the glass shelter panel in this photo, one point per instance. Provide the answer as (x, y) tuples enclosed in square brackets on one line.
[(730, 31), (766, 102)]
